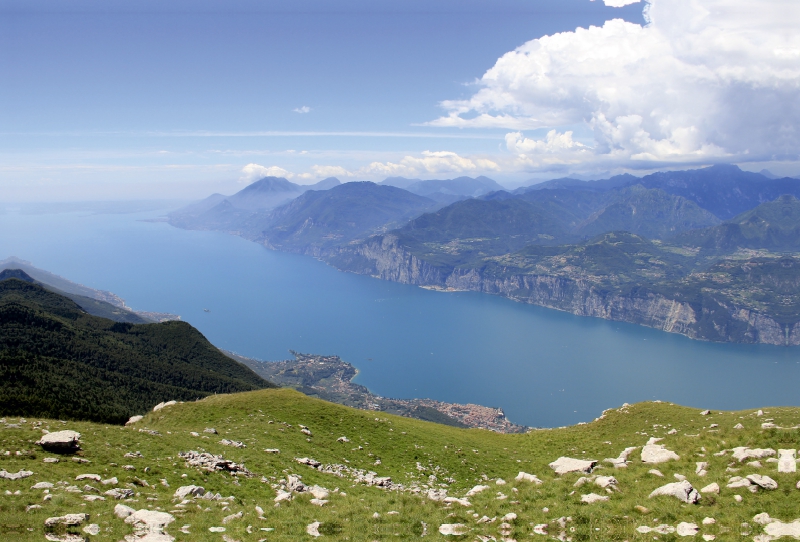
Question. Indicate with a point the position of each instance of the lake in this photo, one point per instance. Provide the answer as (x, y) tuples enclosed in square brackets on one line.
[(544, 368)]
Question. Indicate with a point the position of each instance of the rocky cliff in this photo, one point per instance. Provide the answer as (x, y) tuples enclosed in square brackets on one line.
[(701, 316)]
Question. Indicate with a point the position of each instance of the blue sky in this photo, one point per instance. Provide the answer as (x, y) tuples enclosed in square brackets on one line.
[(123, 99)]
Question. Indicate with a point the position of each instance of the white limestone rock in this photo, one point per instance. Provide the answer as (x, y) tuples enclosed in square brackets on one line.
[(683, 491), (764, 482), (657, 453), (778, 529), (133, 419), (159, 406), (743, 453), (564, 465), (122, 511), (15, 475), (737, 482), (61, 441), (621, 461), (686, 529), (189, 491), (313, 528), (525, 477), (475, 490), (711, 488), (67, 519), (593, 498)]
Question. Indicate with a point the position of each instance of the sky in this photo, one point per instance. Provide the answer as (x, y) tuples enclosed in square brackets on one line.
[(121, 99)]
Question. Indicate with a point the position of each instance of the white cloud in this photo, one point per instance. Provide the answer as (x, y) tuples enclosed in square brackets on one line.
[(253, 172), (428, 163), (304, 109), (703, 81), (619, 3)]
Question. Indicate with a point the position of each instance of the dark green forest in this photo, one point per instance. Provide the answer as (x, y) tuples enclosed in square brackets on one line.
[(57, 361)]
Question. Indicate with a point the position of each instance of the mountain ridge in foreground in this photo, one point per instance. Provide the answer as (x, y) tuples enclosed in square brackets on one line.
[(57, 360)]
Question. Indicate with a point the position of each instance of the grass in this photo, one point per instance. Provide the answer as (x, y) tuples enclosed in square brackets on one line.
[(410, 451)]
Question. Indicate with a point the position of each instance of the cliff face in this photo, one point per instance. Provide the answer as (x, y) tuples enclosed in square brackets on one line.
[(704, 318)]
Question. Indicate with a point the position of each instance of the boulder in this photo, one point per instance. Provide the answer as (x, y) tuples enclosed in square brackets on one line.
[(189, 491), (657, 453), (475, 490), (525, 477), (778, 529), (711, 488), (133, 419), (149, 521), (564, 465), (68, 520), (606, 481), (119, 493), (593, 498), (764, 482), (122, 511), (621, 461), (737, 482), (159, 406), (319, 492), (42, 485), (61, 441), (743, 453), (683, 491), (313, 528)]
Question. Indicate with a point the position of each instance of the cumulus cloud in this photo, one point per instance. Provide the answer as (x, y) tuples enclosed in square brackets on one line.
[(619, 3), (428, 163), (304, 109), (253, 172), (703, 81)]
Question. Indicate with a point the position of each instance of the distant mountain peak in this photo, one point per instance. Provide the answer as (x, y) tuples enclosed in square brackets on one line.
[(15, 274)]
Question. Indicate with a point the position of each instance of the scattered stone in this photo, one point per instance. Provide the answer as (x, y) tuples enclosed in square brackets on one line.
[(500, 482), (93, 498), (564, 465), (453, 529), (50, 460), (705, 413), (80, 460), (737, 498), (133, 419), (111, 481), (216, 529), (786, 461), (228, 519), (606, 482), (657, 453), (762, 518), (15, 475), (308, 461), (210, 430), (475, 490), (462, 502), (738, 426), (61, 441), (313, 528), (711, 488), (525, 477), (189, 491), (683, 491), (686, 529), (486, 519), (656, 472), (701, 469), (342, 439), (764, 482), (159, 406), (272, 451), (95, 477), (119, 493), (68, 520), (743, 453), (42, 485), (621, 461), (511, 516), (133, 455), (755, 464), (737, 482), (306, 431), (540, 528), (319, 492), (679, 477), (593, 498), (122, 511), (212, 463), (233, 443), (32, 507), (93, 529), (318, 502), (641, 509), (283, 496), (128, 467)]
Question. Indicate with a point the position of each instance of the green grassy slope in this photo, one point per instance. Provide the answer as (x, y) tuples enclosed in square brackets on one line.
[(410, 452), (56, 360)]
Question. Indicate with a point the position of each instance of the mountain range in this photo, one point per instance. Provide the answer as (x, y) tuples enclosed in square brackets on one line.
[(662, 250)]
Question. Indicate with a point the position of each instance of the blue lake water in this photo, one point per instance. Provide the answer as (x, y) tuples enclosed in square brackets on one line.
[(543, 367)]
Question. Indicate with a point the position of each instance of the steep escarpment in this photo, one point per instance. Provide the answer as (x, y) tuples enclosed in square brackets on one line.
[(686, 306)]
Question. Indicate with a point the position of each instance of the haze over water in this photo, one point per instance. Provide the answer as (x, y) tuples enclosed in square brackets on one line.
[(543, 367)]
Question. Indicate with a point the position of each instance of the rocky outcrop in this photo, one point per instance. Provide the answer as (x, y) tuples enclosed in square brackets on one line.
[(384, 257), (61, 441)]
